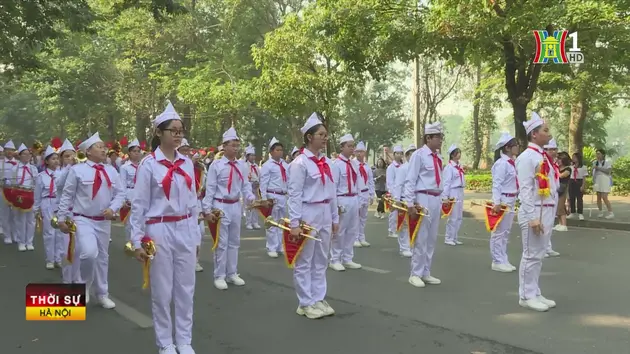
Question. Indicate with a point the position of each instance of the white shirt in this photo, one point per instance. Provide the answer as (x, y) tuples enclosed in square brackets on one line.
[(527, 165), (503, 180), (578, 172), (452, 179), (367, 182), (271, 178), (399, 184), (421, 174), (390, 176), (128, 174), (6, 169), (347, 181), (23, 175), (217, 183), (43, 188)]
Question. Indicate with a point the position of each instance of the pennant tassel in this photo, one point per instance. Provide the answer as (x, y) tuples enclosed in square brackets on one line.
[(146, 268), (493, 219), (214, 232), (292, 249), (414, 226), (70, 251), (124, 213)]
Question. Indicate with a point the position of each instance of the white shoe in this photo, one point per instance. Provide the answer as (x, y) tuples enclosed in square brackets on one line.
[(198, 267), (571, 216), (106, 302), (30, 248), (459, 243), (392, 235), (580, 216), (553, 253), (8, 241), (450, 243), (550, 303), (310, 312), (503, 268), (185, 349), (324, 307), (601, 214), (352, 265), (431, 280), (533, 304), (337, 266), (50, 265), (272, 254), (110, 240), (249, 227), (365, 244), (256, 226), (382, 216), (406, 254), (236, 280), (377, 215), (561, 228), (168, 350), (416, 281), (357, 244), (512, 266), (220, 284), (21, 248), (610, 216)]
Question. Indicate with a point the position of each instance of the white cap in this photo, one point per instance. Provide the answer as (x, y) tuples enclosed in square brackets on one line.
[(272, 142), (230, 135), (398, 148), (89, 142), (533, 123), (22, 148), (133, 143), (168, 114), (295, 149), (67, 145), (360, 146), (504, 139), (183, 143), (9, 145), (551, 145), (433, 128), (250, 150), (49, 151), (410, 147), (312, 121), (346, 138), (451, 149)]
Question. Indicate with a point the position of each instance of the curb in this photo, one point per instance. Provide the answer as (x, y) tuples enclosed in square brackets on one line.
[(590, 224)]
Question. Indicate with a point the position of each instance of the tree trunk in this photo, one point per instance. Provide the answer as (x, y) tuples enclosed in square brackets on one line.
[(111, 126), (579, 108), (520, 115), (417, 120), (475, 117), (187, 119), (141, 127)]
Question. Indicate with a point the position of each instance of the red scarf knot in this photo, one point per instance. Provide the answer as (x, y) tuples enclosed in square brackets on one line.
[(172, 169), (283, 171), (100, 169), (233, 168), (437, 166), (324, 168)]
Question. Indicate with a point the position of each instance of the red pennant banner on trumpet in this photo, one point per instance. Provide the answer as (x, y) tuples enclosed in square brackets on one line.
[(413, 224), (493, 218), (214, 232), (447, 208), (292, 248), (400, 220), (124, 213)]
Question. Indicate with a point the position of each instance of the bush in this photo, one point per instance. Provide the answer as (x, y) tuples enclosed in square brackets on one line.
[(482, 183)]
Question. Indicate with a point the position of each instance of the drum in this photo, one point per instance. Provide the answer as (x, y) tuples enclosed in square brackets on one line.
[(22, 198)]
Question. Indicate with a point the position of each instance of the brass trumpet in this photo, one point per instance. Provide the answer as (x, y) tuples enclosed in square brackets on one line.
[(487, 204), (270, 222), (402, 206), (54, 222), (257, 204), (303, 225), (218, 213), (129, 249)]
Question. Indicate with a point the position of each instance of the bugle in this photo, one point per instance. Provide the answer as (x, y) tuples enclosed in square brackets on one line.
[(218, 213), (402, 206), (257, 204), (303, 225), (270, 222), (487, 204), (130, 250), (54, 222)]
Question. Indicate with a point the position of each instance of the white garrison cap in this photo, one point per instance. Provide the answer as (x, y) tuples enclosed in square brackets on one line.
[(410, 147), (89, 142), (310, 122), (133, 143), (183, 143), (551, 145), (67, 145), (433, 128), (49, 151), (346, 138), (504, 139), (168, 114), (250, 150), (533, 123), (272, 142), (398, 148), (9, 145), (451, 149), (230, 135), (22, 148), (295, 149), (360, 146)]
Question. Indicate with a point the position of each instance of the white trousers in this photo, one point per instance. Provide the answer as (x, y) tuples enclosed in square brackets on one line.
[(71, 273), (500, 236), (252, 218), (274, 234), (5, 220), (457, 214), (23, 226), (92, 239), (226, 253), (342, 250), (391, 221), (172, 277), (363, 215), (53, 241), (534, 249), (424, 246)]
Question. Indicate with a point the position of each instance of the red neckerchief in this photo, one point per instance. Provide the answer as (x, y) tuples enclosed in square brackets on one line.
[(461, 172), (25, 170), (172, 169), (363, 172), (351, 175), (100, 169), (136, 175), (283, 171), (233, 168), (511, 162), (437, 163), (324, 168), (253, 168), (52, 184)]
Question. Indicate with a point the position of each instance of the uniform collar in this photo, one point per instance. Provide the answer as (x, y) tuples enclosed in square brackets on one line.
[(535, 147), (159, 155)]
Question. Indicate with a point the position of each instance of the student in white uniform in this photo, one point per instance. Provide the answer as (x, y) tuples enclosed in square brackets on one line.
[(6, 210), (45, 205), (423, 186), (398, 191), (454, 184), (95, 193), (128, 177), (251, 215), (504, 192), (390, 180), (366, 194), (226, 182), (164, 207), (274, 178), (551, 148), (537, 211), (346, 176), (602, 183), (23, 220), (200, 181)]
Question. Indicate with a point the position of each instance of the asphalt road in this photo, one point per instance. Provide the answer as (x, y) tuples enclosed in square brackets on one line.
[(475, 310)]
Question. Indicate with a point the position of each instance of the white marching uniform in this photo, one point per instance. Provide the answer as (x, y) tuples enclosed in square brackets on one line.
[(251, 216), (6, 210), (23, 222), (454, 184), (390, 180), (70, 272), (128, 178), (366, 195), (397, 194), (346, 176), (274, 185), (505, 188), (46, 205)]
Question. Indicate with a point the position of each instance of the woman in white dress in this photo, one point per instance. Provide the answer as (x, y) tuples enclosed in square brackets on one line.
[(602, 182)]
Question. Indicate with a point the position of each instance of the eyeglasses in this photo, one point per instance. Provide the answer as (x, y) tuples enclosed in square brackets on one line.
[(176, 132)]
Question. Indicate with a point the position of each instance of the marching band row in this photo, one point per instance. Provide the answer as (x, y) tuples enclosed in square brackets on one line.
[(317, 209)]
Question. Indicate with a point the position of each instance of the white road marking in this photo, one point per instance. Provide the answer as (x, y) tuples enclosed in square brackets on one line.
[(253, 238), (375, 270), (131, 314)]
